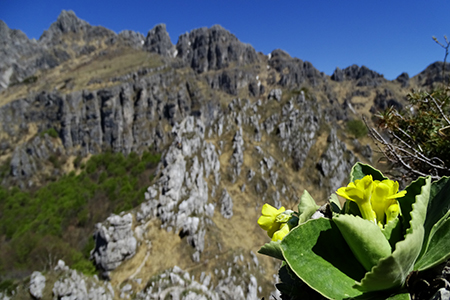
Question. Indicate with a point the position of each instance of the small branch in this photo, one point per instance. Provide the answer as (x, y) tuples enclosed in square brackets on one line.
[(439, 108)]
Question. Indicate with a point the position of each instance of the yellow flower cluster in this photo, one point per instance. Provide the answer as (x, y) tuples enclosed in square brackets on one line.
[(274, 221), (377, 200)]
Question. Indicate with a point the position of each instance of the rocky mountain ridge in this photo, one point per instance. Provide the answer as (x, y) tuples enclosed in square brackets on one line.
[(236, 128)]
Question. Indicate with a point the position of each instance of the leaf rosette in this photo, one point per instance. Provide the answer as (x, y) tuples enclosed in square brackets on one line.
[(356, 254)]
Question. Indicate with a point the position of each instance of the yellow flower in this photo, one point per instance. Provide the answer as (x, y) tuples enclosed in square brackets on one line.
[(376, 199), (384, 201), (360, 192), (273, 220)]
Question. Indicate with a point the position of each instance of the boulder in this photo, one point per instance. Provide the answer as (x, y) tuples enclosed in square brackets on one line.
[(37, 284)]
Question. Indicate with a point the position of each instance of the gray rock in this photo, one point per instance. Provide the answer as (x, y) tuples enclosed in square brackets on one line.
[(363, 75), (37, 284), (226, 208), (338, 75), (275, 94), (335, 163), (114, 242), (131, 38), (293, 71), (237, 158), (384, 100), (441, 294), (72, 285), (403, 79), (158, 41), (213, 48)]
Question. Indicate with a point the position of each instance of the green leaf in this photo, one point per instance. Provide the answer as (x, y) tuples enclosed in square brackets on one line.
[(393, 232), (360, 170), (272, 249), (364, 238), (318, 254), (307, 207), (438, 209), (407, 201), (438, 248), (335, 203), (392, 271)]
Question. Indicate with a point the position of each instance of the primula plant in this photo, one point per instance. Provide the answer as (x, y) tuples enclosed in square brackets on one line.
[(368, 247)]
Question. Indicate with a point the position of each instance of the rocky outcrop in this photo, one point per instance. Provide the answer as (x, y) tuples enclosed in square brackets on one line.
[(158, 41), (14, 46), (403, 79), (433, 74), (37, 284), (179, 284), (335, 163), (114, 242), (131, 38), (293, 71), (73, 285), (123, 118), (384, 100), (362, 75), (214, 48)]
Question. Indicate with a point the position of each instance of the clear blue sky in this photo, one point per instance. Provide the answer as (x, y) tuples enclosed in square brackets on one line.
[(387, 36)]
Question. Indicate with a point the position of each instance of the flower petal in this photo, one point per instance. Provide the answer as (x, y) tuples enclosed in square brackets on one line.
[(281, 233)]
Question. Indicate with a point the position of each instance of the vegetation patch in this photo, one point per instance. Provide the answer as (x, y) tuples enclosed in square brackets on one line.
[(357, 128), (55, 221)]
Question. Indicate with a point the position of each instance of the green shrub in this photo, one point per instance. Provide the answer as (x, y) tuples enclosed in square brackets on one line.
[(29, 80), (51, 132), (77, 162), (8, 286), (55, 161), (419, 135), (357, 128)]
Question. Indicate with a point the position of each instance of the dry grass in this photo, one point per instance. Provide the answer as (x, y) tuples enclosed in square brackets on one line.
[(75, 74)]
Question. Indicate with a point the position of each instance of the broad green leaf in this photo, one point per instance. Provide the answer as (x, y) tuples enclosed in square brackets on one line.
[(393, 232), (438, 208), (360, 170), (364, 238), (391, 272), (307, 207), (335, 203), (272, 249), (438, 248), (318, 254), (407, 201)]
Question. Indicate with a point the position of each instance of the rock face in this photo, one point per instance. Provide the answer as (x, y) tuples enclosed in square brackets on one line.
[(293, 71), (73, 285), (433, 75), (158, 41), (363, 75), (179, 285), (213, 48), (115, 243)]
